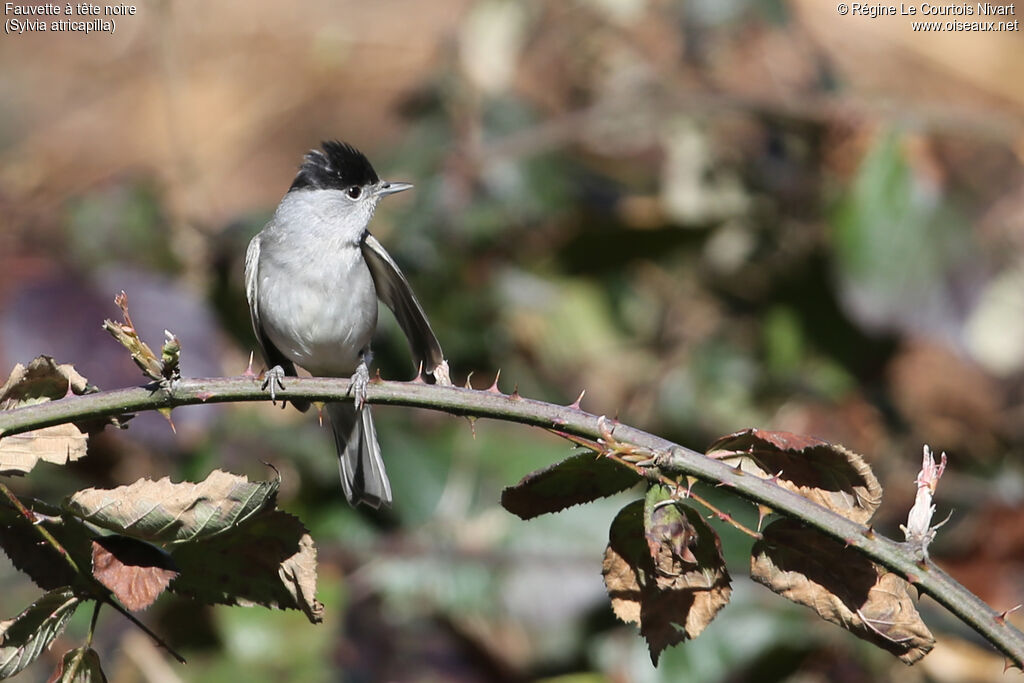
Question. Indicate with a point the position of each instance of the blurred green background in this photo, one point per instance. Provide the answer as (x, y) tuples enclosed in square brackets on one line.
[(710, 215)]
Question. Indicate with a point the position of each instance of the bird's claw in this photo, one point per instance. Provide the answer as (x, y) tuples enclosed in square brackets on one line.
[(274, 380), (360, 380)]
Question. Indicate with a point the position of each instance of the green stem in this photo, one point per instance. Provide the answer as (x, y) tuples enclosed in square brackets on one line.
[(671, 458), (92, 624), (40, 529)]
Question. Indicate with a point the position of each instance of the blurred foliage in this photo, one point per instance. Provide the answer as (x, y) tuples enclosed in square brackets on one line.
[(709, 215)]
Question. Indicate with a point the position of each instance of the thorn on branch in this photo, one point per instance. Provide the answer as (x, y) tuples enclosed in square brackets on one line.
[(494, 387), (418, 379), (1001, 618), (575, 405), (248, 368)]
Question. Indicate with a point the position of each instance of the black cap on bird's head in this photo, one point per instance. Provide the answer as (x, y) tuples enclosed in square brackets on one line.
[(338, 167)]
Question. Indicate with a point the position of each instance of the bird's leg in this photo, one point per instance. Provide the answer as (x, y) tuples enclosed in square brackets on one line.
[(360, 380), (274, 379)]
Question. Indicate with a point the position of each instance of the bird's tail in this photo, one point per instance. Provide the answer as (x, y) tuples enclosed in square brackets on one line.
[(362, 470)]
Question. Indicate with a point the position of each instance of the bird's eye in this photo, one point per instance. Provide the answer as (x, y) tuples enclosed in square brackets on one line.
[(354, 192)]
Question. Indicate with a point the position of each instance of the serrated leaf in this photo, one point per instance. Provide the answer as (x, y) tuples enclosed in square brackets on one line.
[(670, 599), (22, 543), (81, 665), (59, 445), (578, 479), (25, 637), (842, 586), (43, 380), (828, 474), (134, 571), (270, 560), (166, 512)]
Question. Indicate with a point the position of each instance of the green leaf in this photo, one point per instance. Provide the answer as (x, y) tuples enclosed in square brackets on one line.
[(270, 560), (81, 665), (27, 551), (577, 479), (25, 637), (165, 512)]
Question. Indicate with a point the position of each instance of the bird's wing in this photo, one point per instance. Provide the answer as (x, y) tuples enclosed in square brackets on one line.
[(271, 355), (394, 290)]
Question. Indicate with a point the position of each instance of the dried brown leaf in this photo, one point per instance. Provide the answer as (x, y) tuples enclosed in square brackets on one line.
[(59, 445), (166, 512), (828, 474), (270, 560), (842, 586), (134, 571), (43, 380), (673, 600)]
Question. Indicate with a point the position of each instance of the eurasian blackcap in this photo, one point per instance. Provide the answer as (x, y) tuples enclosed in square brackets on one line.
[(313, 276)]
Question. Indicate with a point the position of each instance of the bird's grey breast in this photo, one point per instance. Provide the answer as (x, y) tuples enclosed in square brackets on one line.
[(317, 301)]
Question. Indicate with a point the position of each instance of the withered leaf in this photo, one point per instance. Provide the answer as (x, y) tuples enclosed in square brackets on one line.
[(669, 598), (826, 473), (842, 586), (59, 444), (578, 479), (269, 560), (81, 665), (134, 571), (43, 380), (165, 512), (21, 541), (28, 635)]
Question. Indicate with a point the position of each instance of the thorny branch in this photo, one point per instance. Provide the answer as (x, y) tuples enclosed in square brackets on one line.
[(659, 457)]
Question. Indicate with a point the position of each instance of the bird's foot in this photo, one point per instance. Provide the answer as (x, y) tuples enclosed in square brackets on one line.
[(274, 380), (360, 380)]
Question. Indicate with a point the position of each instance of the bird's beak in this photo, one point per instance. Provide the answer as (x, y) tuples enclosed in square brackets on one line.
[(386, 188)]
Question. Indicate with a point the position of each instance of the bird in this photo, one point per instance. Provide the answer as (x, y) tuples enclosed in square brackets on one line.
[(313, 276)]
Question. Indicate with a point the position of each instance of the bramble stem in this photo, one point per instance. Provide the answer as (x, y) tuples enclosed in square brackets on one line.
[(670, 460)]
